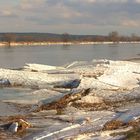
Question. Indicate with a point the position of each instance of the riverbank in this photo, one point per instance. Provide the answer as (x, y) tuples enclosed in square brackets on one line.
[(63, 43), (97, 99)]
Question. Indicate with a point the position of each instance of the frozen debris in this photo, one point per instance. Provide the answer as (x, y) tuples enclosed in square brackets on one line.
[(95, 84), (82, 64), (95, 117), (122, 74), (99, 85), (76, 64), (35, 79), (120, 95), (101, 61), (41, 68), (88, 69), (76, 123)]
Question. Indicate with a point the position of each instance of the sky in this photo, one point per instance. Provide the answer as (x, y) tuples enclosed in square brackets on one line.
[(96, 17)]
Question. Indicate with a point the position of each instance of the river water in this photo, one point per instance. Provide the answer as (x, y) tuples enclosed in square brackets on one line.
[(15, 57)]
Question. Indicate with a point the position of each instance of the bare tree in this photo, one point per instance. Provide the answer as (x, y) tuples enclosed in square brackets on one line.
[(134, 37), (8, 38), (65, 37), (114, 36)]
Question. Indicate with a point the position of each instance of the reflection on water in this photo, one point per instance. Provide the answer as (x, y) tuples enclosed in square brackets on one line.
[(12, 57)]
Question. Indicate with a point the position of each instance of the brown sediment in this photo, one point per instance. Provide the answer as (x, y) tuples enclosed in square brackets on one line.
[(92, 75), (114, 124), (90, 106), (133, 134), (135, 123), (106, 105), (64, 101), (60, 104)]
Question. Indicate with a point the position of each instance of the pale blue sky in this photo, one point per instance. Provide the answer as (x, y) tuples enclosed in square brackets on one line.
[(72, 16)]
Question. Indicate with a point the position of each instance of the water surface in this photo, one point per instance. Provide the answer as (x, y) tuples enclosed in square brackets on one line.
[(13, 57)]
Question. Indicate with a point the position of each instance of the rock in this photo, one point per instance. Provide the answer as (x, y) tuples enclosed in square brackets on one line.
[(13, 127), (4, 82)]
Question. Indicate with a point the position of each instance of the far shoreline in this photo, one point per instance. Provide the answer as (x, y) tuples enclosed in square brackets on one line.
[(12, 44)]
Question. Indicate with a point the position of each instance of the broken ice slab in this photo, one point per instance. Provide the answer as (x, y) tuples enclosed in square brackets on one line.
[(120, 95), (8, 109), (82, 64), (95, 84), (35, 79), (41, 67), (122, 74), (131, 114), (78, 126), (87, 69), (29, 97)]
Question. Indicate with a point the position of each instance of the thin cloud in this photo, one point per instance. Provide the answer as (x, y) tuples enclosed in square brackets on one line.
[(67, 14), (130, 23)]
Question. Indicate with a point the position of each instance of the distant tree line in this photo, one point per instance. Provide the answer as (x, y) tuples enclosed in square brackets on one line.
[(65, 37)]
